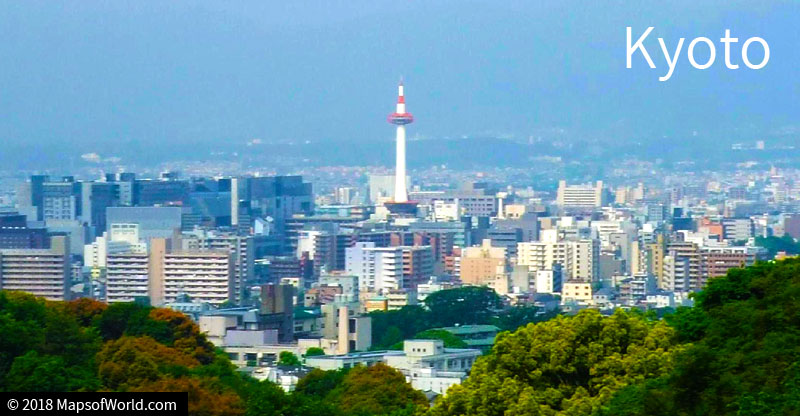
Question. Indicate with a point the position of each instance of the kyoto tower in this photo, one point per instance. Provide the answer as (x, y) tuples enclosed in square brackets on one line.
[(400, 204)]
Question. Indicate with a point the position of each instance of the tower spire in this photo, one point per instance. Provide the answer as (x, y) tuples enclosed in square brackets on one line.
[(400, 118)]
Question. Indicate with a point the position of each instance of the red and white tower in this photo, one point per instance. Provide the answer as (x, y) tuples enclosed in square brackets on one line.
[(400, 118)]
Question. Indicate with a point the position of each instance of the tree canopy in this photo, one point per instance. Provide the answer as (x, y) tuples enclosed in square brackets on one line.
[(569, 365), (466, 305), (84, 345), (774, 245), (743, 351)]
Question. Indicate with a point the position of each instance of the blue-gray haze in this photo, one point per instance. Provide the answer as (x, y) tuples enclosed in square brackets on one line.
[(120, 77)]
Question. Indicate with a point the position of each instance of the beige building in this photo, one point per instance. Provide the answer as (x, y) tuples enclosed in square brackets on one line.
[(483, 265), (42, 272), (345, 328), (577, 291)]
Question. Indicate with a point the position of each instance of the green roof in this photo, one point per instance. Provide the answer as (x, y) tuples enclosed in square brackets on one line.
[(470, 329)]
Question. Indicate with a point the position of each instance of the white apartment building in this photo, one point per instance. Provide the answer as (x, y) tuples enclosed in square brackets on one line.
[(578, 259), (127, 276), (378, 269), (206, 276)]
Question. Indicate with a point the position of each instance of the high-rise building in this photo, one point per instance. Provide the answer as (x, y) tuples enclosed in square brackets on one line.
[(164, 191), (579, 259), (162, 275), (153, 222), (737, 229), (549, 281), (127, 277), (326, 246), (42, 272), (206, 276), (60, 200), (277, 197), (378, 268), (241, 248), (276, 311), (96, 197)]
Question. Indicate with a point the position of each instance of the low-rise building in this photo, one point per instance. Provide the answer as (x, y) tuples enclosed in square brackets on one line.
[(427, 365)]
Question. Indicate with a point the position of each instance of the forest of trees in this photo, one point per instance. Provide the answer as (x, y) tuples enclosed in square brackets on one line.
[(737, 352), (85, 345)]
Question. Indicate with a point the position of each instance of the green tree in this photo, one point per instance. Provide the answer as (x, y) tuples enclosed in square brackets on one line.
[(775, 244), (33, 372), (32, 325), (319, 383), (743, 357), (314, 352), (130, 362), (465, 305), (518, 316), (391, 327), (266, 399), (132, 319), (569, 365), (186, 335), (288, 359), (375, 390)]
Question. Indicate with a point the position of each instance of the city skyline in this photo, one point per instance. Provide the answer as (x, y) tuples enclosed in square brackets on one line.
[(597, 212)]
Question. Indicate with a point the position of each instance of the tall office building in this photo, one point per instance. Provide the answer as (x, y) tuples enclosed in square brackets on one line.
[(96, 197), (60, 200), (277, 197), (153, 222), (164, 191)]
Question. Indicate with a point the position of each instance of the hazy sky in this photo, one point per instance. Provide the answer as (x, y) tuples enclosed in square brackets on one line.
[(89, 72)]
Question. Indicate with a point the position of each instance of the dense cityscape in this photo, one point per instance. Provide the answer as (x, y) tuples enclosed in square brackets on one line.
[(379, 269)]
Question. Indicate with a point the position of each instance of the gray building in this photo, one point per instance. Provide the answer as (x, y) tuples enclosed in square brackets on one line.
[(154, 222)]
